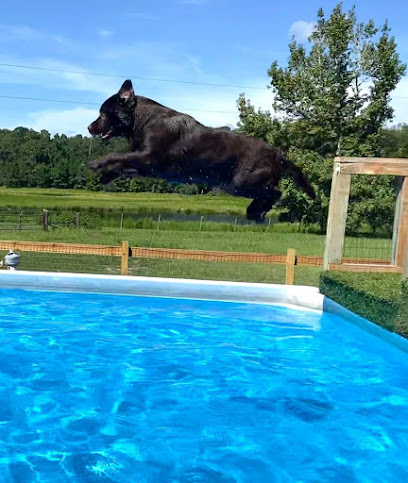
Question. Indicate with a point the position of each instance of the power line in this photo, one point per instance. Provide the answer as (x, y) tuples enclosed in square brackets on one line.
[(97, 74), (64, 101), (155, 79), (96, 104)]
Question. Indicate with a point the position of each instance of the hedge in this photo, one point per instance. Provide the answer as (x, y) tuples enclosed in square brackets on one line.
[(380, 298)]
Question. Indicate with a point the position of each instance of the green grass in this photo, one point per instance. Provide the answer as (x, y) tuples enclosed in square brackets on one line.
[(243, 241), (374, 296), (51, 199), (386, 286)]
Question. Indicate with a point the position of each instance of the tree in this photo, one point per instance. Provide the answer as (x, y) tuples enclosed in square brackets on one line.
[(334, 96)]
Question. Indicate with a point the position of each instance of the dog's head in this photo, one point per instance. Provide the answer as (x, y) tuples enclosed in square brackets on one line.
[(116, 115)]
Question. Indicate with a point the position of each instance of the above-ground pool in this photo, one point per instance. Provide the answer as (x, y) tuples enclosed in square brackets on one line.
[(118, 388)]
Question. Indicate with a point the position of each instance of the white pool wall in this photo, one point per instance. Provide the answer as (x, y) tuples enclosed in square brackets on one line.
[(305, 297)]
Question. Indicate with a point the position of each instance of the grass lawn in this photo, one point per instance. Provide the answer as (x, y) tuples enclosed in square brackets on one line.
[(36, 198)]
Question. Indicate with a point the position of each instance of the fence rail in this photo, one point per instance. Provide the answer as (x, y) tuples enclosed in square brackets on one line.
[(124, 252)]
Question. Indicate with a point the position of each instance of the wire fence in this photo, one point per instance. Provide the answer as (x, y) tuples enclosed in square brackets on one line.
[(20, 220), (52, 219), (363, 247)]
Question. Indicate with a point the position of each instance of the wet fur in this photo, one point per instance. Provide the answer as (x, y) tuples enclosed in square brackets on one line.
[(174, 146)]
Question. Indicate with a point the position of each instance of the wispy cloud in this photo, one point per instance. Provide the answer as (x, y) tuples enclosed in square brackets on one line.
[(302, 30), (9, 33), (64, 81), (105, 33), (68, 121)]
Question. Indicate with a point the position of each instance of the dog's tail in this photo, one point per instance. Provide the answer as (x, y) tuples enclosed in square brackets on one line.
[(290, 168)]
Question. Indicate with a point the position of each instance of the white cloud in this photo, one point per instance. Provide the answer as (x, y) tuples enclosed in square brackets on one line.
[(69, 121), (302, 30), (78, 81), (105, 33), (9, 33)]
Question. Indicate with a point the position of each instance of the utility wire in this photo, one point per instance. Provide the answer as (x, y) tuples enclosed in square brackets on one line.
[(95, 103), (97, 74)]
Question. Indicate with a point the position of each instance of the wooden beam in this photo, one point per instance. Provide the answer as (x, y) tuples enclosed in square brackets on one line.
[(69, 248), (402, 242), (344, 267), (359, 159), (392, 169), (290, 266), (336, 223), (124, 264), (397, 219), (208, 255)]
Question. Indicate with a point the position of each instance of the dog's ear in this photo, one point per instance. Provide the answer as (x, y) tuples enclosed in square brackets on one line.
[(126, 92)]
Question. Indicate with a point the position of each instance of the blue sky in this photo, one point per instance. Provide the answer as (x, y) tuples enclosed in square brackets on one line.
[(210, 41)]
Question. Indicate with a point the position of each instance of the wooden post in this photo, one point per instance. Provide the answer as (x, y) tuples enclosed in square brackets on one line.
[(20, 221), (290, 266), (158, 222), (124, 264), (121, 222), (405, 267), (201, 222), (402, 233), (77, 220), (44, 220), (336, 223), (397, 218)]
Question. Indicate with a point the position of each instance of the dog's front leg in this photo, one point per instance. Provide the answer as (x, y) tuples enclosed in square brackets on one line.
[(115, 165)]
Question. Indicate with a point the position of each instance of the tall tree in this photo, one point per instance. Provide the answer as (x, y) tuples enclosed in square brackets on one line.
[(334, 95)]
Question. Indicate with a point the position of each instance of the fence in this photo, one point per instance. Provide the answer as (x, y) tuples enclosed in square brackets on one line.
[(49, 219), (124, 252)]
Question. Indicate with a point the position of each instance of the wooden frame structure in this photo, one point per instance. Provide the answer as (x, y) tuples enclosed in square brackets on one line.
[(343, 169)]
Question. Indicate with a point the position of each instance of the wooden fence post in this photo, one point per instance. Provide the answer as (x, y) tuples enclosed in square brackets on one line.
[(124, 264), (402, 233), (44, 220), (77, 220), (290, 266), (336, 221)]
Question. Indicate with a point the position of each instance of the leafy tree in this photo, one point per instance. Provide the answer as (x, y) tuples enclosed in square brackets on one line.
[(333, 98)]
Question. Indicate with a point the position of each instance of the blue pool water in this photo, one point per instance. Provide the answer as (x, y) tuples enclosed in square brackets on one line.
[(119, 389)]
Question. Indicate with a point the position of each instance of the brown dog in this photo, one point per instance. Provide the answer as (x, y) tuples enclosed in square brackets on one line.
[(174, 146)]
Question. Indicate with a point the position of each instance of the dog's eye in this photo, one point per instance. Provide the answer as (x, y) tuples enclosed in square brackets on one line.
[(102, 116)]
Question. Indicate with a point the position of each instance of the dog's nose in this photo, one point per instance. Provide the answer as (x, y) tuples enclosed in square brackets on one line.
[(90, 128)]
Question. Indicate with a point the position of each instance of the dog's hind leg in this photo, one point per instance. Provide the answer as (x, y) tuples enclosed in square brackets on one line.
[(260, 205)]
